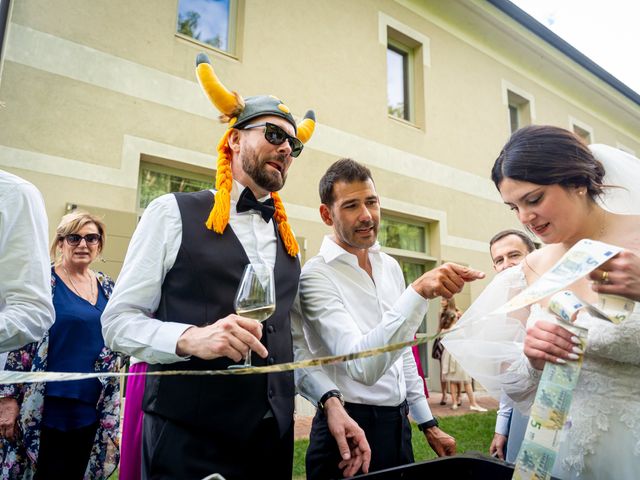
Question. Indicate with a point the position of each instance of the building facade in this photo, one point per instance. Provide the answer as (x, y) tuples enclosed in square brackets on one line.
[(101, 110)]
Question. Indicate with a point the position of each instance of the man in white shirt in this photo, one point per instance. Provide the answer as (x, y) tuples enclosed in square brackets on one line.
[(352, 298), (508, 248), (26, 310), (173, 308)]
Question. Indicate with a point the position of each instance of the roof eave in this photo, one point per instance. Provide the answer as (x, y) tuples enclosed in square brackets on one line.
[(567, 49)]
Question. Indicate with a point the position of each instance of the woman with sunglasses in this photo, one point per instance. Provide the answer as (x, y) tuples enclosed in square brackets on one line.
[(66, 429), (564, 191)]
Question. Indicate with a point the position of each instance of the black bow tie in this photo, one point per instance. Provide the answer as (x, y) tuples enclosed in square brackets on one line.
[(247, 201)]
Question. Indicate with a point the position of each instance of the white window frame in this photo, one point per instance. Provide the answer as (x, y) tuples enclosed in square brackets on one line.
[(235, 7), (574, 122), (401, 36), (528, 99)]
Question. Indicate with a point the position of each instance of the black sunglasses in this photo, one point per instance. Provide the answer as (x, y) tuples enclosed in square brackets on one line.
[(276, 136), (74, 239)]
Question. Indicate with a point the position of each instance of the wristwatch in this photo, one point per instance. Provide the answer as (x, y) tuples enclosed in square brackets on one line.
[(328, 395), (431, 423)]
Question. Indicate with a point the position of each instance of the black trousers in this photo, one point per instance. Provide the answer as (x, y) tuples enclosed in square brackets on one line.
[(64, 454), (170, 451), (388, 432)]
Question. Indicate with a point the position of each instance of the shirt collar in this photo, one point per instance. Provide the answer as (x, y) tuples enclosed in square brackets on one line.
[(330, 251), (237, 189)]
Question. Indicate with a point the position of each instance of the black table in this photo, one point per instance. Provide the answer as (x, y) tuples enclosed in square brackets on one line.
[(470, 466)]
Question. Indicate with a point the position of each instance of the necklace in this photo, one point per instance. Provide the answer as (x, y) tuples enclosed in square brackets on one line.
[(91, 283)]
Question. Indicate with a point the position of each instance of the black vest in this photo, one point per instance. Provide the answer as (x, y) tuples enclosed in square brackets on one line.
[(198, 290)]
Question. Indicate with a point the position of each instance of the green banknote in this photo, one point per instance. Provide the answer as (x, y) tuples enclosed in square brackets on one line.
[(534, 462)]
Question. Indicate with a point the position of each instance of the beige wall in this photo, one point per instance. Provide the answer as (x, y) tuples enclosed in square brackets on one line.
[(89, 88)]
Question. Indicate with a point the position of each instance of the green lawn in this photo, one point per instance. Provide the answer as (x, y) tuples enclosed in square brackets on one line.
[(473, 432)]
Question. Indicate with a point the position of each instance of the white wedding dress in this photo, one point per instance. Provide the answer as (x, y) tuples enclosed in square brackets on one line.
[(601, 439)]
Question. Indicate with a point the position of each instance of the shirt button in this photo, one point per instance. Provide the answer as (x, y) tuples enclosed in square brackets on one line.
[(270, 329), (271, 361)]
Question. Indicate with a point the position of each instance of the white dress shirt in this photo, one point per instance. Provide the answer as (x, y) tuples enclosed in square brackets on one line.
[(345, 311), (504, 415), (26, 309)]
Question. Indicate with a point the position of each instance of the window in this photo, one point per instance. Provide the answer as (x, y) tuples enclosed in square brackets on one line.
[(4, 24), (156, 180), (408, 242), (408, 56), (399, 234), (399, 60), (582, 130), (212, 22), (302, 243), (519, 111), (584, 135), (514, 121)]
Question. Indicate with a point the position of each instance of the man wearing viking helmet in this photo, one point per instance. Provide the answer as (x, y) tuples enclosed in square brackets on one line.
[(173, 305)]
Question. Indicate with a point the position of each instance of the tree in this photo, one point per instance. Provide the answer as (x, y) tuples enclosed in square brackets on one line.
[(188, 24), (214, 42)]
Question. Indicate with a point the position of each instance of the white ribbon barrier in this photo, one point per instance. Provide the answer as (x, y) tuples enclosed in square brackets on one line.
[(553, 398)]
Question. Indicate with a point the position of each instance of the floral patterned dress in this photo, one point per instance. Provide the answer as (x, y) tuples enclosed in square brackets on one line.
[(19, 458)]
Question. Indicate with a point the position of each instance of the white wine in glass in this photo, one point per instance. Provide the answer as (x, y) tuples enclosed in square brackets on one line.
[(255, 297), (258, 314)]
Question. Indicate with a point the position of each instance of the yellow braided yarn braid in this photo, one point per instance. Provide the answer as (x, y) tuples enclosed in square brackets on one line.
[(219, 215), (280, 216)]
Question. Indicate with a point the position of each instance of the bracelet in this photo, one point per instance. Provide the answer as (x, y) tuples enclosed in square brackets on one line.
[(431, 423), (328, 395)]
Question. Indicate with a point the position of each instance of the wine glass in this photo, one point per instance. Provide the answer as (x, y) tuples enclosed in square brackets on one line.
[(255, 297)]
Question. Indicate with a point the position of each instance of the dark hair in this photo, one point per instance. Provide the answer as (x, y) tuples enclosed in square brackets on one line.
[(344, 170), (449, 314), (447, 318), (548, 155), (451, 303), (505, 233)]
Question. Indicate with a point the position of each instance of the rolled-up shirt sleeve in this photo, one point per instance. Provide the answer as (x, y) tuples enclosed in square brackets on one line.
[(418, 404), (128, 322), (324, 311), (504, 415), (26, 309)]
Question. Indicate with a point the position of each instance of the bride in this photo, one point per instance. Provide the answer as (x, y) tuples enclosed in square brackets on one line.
[(564, 191)]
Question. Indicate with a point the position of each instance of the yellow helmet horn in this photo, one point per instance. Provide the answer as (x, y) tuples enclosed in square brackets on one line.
[(230, 104), (306, 126)]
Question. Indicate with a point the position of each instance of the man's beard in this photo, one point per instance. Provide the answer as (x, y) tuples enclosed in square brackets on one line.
[(349, 236), (264, 178)]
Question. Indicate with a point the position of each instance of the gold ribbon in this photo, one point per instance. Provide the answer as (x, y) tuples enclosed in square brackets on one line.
[(7, 377)]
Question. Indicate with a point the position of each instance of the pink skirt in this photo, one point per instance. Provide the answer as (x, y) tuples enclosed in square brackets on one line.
[(131, 447), (416, 355)]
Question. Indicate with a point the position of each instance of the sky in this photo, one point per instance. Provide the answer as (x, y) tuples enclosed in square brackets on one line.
[(209, 9), (606, 31)]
